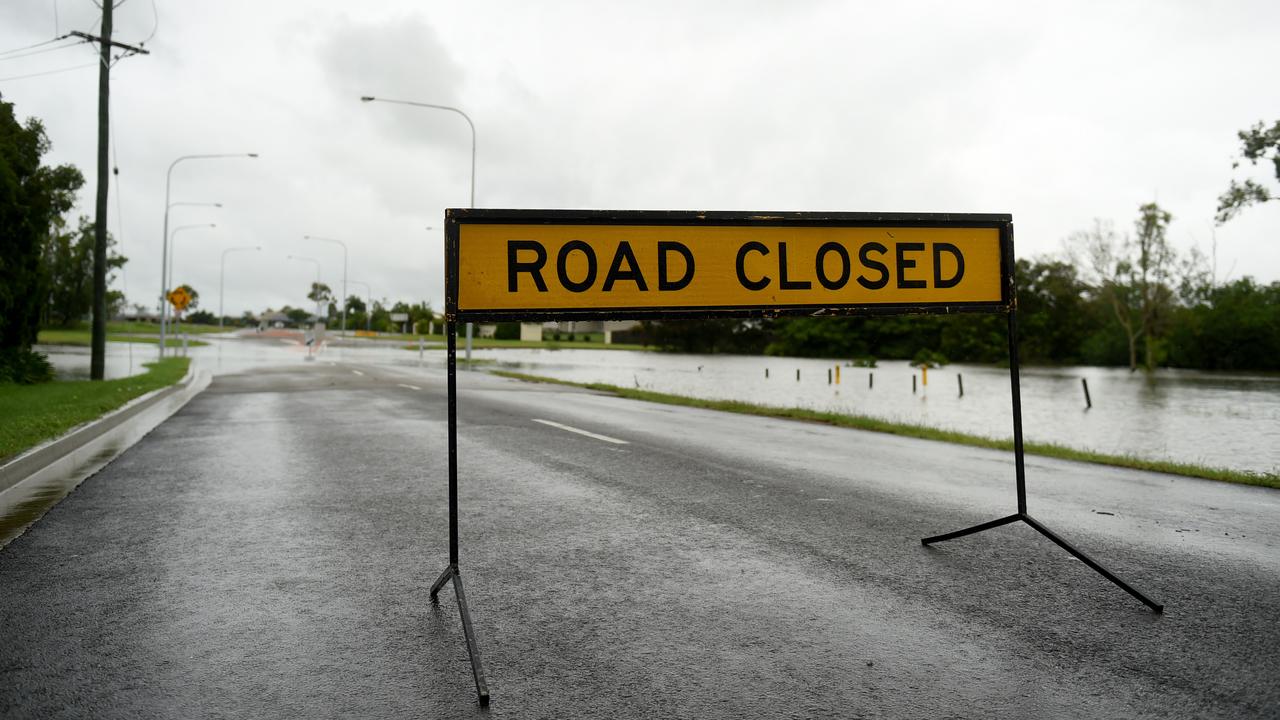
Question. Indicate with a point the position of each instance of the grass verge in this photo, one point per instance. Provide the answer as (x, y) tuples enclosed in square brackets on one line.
[(862, 422), (83, 338), (31, 414)]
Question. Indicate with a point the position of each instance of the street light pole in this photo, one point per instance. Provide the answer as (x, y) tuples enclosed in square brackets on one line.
[(368, 308), (222, 274), (344, 275), (164, 236), (173, 246), (370, 98)]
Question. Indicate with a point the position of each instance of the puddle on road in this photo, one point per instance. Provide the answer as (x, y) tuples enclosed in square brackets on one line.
[(25, 503)]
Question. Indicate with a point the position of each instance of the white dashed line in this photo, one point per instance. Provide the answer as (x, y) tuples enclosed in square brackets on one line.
[(411, 387), (357, 372), (605, 438)]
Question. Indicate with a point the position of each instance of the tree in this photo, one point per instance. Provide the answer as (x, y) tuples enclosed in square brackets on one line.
[(320, 294), (1235, 327), (195, 298), (1053, 320), (297, 316), (32, 198), (1135, 277), (1256, 143), (68, 265)]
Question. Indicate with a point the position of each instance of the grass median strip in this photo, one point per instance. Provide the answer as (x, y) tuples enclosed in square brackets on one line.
[(863, 422), (83, 338), (31, 414)]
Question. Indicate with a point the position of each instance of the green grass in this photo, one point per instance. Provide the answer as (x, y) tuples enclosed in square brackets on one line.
[(30, 414), (490, 343), (83, 338), (862, 422), (146, 328)]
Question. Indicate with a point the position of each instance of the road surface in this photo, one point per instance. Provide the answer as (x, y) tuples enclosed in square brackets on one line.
[(267, 553)]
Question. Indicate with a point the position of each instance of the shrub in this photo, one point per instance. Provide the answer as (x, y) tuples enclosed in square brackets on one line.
[(24, 367), (507, 331)]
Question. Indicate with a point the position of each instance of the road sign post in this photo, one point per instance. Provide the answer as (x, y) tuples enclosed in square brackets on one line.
[(530, 265)]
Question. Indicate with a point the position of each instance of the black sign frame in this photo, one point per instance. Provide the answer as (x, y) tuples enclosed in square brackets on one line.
[(455, 218)]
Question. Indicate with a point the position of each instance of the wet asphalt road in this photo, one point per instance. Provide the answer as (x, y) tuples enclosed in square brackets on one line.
[(267, 553)]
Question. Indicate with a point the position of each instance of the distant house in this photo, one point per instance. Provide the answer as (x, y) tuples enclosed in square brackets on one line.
[(138, 314), (605, 327), (275, 319)]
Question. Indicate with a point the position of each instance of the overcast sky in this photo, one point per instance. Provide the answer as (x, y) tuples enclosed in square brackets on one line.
[(1057, 115)]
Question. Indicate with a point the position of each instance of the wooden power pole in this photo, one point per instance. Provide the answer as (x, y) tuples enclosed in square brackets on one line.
[(97, 360)]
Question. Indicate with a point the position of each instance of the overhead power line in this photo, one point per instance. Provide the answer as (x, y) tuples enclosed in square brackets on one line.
[(42, 51), (36, 45), (49, 72)]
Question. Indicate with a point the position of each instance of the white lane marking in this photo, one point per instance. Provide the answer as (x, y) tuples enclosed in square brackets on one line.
[(358, 372), (411, 387), (605, 438)]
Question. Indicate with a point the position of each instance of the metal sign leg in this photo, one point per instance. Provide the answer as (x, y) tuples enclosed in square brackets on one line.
[(1020, 472), (451, 572)]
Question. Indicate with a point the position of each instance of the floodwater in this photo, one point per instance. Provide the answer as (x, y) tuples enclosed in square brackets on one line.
[(1219, 419), (122, 360)]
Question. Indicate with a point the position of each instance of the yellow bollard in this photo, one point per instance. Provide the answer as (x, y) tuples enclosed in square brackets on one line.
[(924, 375), (837, 374)]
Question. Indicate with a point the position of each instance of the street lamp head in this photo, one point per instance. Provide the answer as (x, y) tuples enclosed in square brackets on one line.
[(253, 155), (367, 98)]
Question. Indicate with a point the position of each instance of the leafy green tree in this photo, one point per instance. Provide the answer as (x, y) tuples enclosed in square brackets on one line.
[(297, 316), (195, 298), (68, 266), (320, 293), (1053, 313), (32, 198), (1136, 277), (1257, 143), (1237, 327)]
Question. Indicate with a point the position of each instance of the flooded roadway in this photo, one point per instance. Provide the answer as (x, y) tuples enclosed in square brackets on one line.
[(267, 551), (1229, 420)]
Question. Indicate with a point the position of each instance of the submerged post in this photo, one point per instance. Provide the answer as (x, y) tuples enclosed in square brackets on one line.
[(960, 382), (1088, 402)]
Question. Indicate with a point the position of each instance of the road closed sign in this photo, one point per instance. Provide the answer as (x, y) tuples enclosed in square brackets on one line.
[(511, 263)]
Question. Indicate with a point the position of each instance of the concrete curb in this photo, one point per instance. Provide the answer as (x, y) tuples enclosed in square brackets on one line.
[(39, 478)]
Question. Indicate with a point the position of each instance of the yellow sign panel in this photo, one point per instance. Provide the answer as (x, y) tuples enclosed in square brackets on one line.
[(512, 267), (179, 298)]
